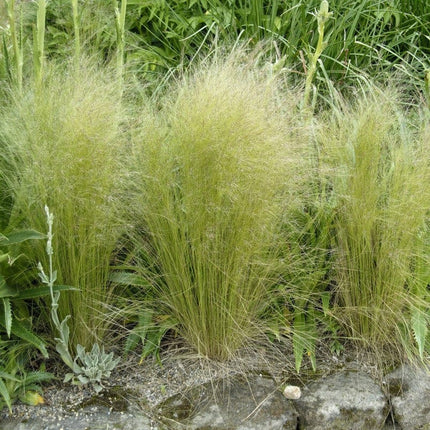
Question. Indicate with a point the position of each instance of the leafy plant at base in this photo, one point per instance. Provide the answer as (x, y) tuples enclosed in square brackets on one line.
[(149, 326), (92, 367), (8, 295), (311, 248), (15, 381)]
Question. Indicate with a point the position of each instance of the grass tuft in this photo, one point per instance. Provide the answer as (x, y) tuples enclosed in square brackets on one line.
[(62, 144), (211, 170), (377, 166)]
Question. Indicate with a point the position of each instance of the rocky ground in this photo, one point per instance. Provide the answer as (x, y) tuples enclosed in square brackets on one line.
[(185, 392)]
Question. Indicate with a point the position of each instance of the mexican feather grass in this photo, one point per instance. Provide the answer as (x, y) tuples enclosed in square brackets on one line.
[(61, 143), (211, 167)]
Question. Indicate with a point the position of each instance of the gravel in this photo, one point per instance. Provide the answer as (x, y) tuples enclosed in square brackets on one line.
[(133, 390), (130, 399)]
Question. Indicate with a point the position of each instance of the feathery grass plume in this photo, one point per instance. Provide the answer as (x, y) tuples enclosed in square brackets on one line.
[(62, 145), (376, 164), (211, 167)]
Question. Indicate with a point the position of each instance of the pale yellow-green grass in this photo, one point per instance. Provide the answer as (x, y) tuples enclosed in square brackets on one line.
[(211, 165), (378, 166), (61, 146)]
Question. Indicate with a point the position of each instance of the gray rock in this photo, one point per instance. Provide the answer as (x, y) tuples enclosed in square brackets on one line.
[(346, 400), (252, 403), (409, 390), (94, 418)]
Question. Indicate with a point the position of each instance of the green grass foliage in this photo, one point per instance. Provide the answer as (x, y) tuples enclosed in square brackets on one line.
[(375, 157), (60, 146), (365, 36), (212, 165)]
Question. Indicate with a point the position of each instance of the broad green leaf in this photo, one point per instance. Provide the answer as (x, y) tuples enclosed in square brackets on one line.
[(126, 278), (7, 315), (419, 327), (38, 376), (325, 300), (20, 236), (8, 376), (5, 394), (131, 342), (6, 291), (18, 329), (298, 339), (311, 338)]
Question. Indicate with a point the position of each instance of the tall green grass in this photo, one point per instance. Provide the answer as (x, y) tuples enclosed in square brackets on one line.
[(378, 168), (60, 146), (371, 37), (212, 164)]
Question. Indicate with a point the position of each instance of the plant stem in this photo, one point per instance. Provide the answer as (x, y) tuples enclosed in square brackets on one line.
[(322, 16), (120, 32), (63, 329), (39, 43), (16, 46)]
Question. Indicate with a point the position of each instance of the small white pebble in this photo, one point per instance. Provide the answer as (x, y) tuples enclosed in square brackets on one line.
[(292, 392)]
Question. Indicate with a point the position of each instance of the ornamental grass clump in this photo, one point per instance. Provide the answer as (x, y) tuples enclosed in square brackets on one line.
[(60, 145), (378, 167), (211, 167)]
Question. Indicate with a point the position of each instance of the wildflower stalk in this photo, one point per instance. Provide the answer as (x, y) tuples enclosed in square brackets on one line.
[(427, 87), (323, 16), (63, 329), (95, 365)]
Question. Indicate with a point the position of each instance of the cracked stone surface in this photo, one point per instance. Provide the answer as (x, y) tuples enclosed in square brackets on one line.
[(409, 390), (252, 403), (345, 400)]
